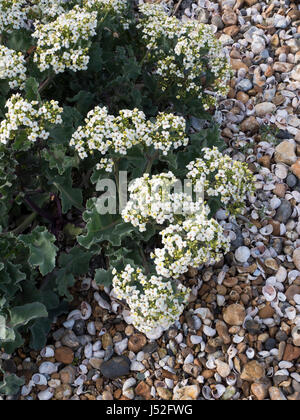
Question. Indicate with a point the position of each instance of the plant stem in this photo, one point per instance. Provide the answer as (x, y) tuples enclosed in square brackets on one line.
[(24, 225), (145, 263), (150, 162)]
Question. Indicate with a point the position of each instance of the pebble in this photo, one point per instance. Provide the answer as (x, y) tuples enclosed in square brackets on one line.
[(234, 314), (64, 355), (242, 254), (190, 392), (115, 367), (253, 371)]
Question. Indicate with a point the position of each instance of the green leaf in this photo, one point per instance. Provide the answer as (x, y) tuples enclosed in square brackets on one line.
[(75, 263), (42, 251), (83, 101), (58, 159), (69, 196), (32, 89), (103, 277), (39, 332), (19, 40), (102, 228), (21, 315), (11, 384)]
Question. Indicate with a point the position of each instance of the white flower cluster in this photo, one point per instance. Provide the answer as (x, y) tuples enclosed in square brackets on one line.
[(191, 55), (12, 15), (105, 133), (12, 67), (64, 43), (154, 199), (30, 117), (153, 301), (45, 10), (220, 176), (194, 241), (115, 6)]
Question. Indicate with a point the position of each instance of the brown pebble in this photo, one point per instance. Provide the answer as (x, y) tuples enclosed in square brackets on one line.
[(64, 355), (136, 342)]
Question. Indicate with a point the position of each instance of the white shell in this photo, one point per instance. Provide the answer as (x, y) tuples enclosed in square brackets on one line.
[(91, 328), (250, 353), (45, 395), (121, 346), (88, 350), (39, 379), (86, 310), (269, 292), (290, 313), (47, 352), (76, 314), (101, 302), (129, 383), (48, 368), (210, 332), (285, 365), (218, 391), (196, 339)]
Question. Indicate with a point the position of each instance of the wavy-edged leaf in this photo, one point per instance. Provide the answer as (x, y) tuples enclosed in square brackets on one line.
[(42, 249)]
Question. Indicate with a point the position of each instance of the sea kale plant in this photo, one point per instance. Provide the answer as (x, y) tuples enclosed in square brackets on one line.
[(110, 161)]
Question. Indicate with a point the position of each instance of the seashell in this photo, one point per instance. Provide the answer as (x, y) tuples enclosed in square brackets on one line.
[(47, 352), (76, 314), (95, 285), (282, 372), (39, 379), (270, 372), (266, 230), (115, 306), (91, 328), (221, 300), (86, 284), (206, 392), (263, 354), (69, 324), (275, 203), (129, 383), (195, 339), (281, 297), (121, 346), (250, 353), (290, 313), (155, 333), (189, 359), (210, 364), (45, 395), (218, 390), (88, 350), (100, 354), (285, 365), (237, 339), (102, 302), (83, 370), (281, 171), (48, 368), (231, 379), (295, 376), (26, 389), (86, 310), (269, 292), (232, 352), (80, 380), (208, 331), (281, 274)]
